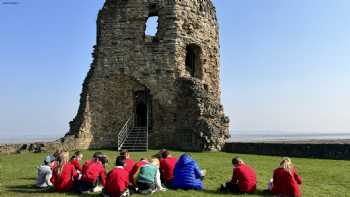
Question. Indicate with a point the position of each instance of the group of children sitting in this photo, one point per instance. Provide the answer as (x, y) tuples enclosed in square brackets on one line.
[(157, 174)]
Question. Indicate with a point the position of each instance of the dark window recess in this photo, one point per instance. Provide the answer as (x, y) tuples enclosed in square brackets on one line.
[(190, 60), (193, 60), (206, 88)]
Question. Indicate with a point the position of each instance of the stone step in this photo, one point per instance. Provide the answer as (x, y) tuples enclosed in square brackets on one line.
[(137, 133), (137, 141), (133, 148), (137, 150), (139, 129), (135, 145), (136, 137)]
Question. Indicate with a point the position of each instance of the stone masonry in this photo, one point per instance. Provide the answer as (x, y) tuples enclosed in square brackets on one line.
[(171, 79)]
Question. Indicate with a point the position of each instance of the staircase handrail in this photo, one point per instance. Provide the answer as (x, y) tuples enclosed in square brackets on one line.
[(147, 127), (123, 133)]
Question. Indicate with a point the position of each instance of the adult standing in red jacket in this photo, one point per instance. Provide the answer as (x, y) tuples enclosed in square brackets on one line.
[(243, 178), (286, 180), (167, 166), (118, 179), (128, 162), (92, 172), (63, 174)]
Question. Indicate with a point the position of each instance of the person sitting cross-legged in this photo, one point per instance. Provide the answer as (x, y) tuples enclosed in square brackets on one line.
[(286, 180), (135, 169), (93, 171), (44, 174), (117, 180), (64, 174), (148, 178), (167, 166), (129, 163), (187, 174), (75, 161), (243, 178)]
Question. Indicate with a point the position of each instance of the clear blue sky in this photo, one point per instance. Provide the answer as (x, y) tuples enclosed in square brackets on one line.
[(285, 64)]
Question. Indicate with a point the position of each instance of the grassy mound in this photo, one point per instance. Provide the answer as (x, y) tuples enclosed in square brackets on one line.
[(320, 177)]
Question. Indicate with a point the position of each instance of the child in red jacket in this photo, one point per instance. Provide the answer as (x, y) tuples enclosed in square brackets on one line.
[(75, 160), (167, 166), (63, 174), (243, 178), (92, 171), (128, 162), (285, 180), (117, 180)]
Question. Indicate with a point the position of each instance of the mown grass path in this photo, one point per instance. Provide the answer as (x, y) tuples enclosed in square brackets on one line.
[(320, 177)]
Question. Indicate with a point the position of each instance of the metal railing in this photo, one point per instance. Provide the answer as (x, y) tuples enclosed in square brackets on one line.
[(124, 131), (147, 127)]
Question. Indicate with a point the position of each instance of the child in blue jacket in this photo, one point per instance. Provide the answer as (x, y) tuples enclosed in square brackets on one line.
[(187, 174)]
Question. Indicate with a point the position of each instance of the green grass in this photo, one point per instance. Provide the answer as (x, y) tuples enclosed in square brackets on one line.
[(320, 177)]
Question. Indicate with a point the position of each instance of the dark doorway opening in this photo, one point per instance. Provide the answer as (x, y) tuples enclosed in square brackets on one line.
[(143, 109), (141, 115)]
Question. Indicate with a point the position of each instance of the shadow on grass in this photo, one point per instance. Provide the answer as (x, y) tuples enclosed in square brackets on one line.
[(28, 189), (32, 189), (257, 192)]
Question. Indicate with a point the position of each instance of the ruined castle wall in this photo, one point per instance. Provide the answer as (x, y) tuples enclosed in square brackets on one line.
[(126, 60), (202, 124), (199, 26)]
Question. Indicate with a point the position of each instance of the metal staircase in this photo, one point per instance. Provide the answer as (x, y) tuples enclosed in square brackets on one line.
[(134, 139)]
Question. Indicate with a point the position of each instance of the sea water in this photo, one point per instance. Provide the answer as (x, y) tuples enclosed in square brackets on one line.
[(261, 136), (236, 136), (28, 137)]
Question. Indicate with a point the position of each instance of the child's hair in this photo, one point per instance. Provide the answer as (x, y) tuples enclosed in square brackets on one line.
[(62, 160), (286, 164), (47, 160), (97, 155), (237, 161), (159, 155), (76, 154), (165, 154), (57, 153), (120, 161), (124, 152), (103, 159), (143, 158), (155, 162)]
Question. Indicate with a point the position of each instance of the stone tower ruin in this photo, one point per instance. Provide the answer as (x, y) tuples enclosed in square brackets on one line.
[(168, 82)]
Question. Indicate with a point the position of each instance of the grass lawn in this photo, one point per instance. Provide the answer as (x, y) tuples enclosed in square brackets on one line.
[(320, 177)]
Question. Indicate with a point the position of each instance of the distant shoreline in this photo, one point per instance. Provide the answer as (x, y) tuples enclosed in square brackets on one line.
[(236, 137), (27, 141), (279, 141), (308, 141)]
